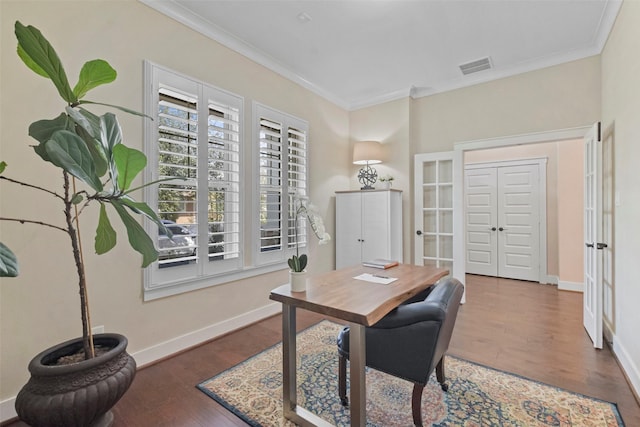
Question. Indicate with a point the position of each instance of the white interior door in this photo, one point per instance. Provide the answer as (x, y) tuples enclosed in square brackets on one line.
[(503, 220), (592, 304), (481, 194), (518, 222)]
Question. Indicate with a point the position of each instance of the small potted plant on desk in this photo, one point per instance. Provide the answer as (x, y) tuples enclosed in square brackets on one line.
[(298, 263), (91, 156)]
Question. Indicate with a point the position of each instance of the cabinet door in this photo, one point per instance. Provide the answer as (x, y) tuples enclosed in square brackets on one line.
[(348, 229), (375, 225)]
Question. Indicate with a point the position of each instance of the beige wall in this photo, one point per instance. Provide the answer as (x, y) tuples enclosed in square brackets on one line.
[(559, 97), (389, 124), (620, 120), (570, 212), (40, 308)]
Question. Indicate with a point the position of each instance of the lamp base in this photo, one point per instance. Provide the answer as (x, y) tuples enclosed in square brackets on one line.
[(367, 177)]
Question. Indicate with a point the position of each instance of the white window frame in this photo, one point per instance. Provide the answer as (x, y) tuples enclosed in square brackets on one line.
[(287, 121), (180, 279)]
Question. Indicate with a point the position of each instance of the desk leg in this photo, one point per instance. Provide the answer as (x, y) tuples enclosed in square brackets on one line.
[(357, 363), (289, 360)]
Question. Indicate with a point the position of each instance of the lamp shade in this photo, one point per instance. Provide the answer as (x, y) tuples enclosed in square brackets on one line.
[(367, 152)]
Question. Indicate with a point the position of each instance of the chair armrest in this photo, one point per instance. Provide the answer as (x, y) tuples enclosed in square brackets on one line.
[(411, 313)]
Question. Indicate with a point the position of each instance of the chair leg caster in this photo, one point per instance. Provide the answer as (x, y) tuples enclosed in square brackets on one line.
[(444, 386), (344, 402)]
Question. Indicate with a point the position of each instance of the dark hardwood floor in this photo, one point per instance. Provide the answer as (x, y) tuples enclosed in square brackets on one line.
[(520, 327)]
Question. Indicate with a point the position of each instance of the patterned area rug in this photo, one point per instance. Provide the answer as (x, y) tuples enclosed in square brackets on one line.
[(477, 396)]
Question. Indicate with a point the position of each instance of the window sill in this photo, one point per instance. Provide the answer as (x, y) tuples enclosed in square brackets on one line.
[(179, 287)]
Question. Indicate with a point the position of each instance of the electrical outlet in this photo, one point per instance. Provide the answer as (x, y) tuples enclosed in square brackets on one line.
[(97, 330)]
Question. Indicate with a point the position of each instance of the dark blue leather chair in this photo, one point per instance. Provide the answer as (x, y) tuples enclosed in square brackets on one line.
[(410, 341)]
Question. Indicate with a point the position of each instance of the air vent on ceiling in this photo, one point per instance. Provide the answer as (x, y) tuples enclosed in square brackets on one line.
[(475, 66)]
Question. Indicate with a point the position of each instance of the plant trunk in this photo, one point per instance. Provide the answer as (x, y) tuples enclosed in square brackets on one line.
[(82, 281)]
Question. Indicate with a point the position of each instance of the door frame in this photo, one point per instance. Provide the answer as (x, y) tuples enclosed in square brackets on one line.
[(541, 162), (459, 242)]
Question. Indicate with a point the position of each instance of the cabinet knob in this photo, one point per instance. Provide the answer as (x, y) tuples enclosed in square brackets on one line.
[(419, 233), (493, 229)]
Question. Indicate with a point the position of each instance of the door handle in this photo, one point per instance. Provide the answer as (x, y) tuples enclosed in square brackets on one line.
[(601, 246), (493, 229), (589, 245), (501, 229), (419, 233)]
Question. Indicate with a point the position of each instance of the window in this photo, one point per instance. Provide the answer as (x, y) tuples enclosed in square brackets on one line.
[(281, 146), (194, 147)]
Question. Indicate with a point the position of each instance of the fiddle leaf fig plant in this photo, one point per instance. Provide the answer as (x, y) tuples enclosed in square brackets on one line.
[(95, 165)]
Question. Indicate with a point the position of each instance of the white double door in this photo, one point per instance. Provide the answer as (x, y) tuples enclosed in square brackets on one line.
[(503, 221)]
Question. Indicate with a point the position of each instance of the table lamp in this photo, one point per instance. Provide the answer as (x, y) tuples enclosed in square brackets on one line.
[(367, 153)]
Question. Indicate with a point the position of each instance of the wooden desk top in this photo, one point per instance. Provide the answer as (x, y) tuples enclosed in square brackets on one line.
[(338, 294)]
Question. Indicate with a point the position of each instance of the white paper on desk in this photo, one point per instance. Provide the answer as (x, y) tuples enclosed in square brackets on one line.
[(373, 278)]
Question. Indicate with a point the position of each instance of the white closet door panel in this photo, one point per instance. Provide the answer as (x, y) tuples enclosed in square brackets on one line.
[(481, 211), (518, 222), (375, 226), (348, 230)]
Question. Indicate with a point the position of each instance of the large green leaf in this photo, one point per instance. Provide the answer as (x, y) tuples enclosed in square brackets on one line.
[(94, 73), (110, 132), (130, 162), (8, 262), (81, 120), (43, 129), (105, 234), (144, 209), (69, 152), (138, 238), (3, 166), (34, 46), (87, 129)]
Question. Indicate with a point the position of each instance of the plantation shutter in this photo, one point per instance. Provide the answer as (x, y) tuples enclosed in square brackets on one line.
[(282, 174), (270, 184), (223, 171), (177, 159), (297, 183), (197, 152)]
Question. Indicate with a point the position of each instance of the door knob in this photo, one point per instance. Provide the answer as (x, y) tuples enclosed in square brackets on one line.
[(501, 228), (419, 233), (589, 245), (493, 229)]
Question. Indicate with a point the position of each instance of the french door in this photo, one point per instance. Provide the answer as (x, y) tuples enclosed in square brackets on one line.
[(593, 250), (434, 213)]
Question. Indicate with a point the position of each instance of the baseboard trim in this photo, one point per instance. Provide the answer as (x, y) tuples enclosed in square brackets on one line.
[(191, 339), (8, 410), (549, 280), (629, 368), (563, 285), (165, 349)]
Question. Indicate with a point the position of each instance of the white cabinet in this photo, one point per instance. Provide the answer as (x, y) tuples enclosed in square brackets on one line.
[(368, 226)]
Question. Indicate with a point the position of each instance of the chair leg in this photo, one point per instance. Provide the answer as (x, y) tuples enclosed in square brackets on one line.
[(416, 404), (440, 374), (342, 380)]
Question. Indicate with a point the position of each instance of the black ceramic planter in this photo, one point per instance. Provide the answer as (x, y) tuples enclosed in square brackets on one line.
[(80, 394)]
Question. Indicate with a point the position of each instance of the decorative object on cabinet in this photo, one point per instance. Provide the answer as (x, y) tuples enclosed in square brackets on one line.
[(368, 226), (367, 153), (387, 181)]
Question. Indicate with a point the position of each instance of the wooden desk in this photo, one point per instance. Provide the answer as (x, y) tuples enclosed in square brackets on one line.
[(361, 304)]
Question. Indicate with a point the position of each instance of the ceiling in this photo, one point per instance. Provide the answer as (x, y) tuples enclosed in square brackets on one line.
[(358, 53)]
